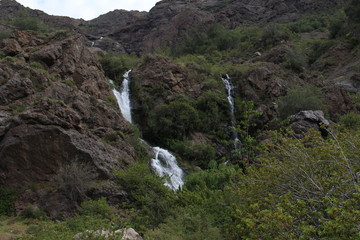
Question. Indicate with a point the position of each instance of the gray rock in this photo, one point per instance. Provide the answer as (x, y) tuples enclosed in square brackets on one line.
[(303, 121)]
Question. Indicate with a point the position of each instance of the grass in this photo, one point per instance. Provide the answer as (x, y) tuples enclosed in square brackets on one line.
[(12, 227)]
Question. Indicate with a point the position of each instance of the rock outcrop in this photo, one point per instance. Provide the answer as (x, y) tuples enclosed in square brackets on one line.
[(56, 107), (303, 121)]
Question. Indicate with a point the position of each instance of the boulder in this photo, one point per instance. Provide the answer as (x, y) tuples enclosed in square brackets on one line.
[(303, 121), (11, 47), (127, 234)]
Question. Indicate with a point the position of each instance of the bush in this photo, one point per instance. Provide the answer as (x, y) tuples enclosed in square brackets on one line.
[(35, 212), (97, 208), (198, 154), (173, 121), (116, 65), (186, 225), (5, 34), (295, 59), (350, 121), (23, 21), (301, 98), (75, 179), (148, 195), (303, 189), (273, 34), (7, 198), (213, 111)]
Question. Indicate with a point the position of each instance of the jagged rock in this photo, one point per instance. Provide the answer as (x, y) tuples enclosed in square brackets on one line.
[(56, 113), (262, 83), (167, 23), (130, 233), (303, 121), (338, 102), (11, 47), (70, 59), (16, 87)]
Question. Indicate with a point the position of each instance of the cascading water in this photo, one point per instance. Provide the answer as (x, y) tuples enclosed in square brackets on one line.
[(123, 97), (163, 163), (230, 96)]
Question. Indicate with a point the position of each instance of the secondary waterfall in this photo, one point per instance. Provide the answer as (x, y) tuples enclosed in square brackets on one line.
[(230, 96), (123, 97), (163, 163)]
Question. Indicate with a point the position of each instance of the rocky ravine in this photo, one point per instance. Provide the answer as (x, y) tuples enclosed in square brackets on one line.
[(56, 107)]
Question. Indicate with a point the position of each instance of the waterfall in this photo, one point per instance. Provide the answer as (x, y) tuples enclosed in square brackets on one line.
[(230, 97), (163, 163), (123, 98)]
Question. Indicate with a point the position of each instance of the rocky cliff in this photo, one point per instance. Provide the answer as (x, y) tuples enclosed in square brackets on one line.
[(170, 20), (56, 107)]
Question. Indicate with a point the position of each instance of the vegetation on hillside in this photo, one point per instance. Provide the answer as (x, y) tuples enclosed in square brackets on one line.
[(275, 186)]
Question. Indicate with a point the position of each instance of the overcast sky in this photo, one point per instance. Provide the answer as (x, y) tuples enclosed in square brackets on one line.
[(86, 9)]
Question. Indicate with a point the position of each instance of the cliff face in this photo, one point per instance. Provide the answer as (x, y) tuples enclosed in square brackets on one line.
[(169, 21), (56, 107)]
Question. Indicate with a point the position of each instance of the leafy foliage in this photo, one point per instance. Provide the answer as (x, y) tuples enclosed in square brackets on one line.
[(173, 121), (300, 98), (23, 21), (299, 187), (7, 198), (75, 179), (116, 65), (95, 215), (350, 121), (149, 197)]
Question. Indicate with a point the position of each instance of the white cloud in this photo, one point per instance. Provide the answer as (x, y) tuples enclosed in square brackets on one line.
[(87, 9)]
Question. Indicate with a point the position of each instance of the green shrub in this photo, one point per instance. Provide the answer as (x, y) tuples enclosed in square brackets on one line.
[(116, 65), (273, 34), (303, 189), (5, 34), (295, 59), (111, 101), (35, 212), (75, 179), (198, 154), (308, 24), (213, 111), (37, 65), (186, 225), (97, 208), (300, 98), (148, 195), (318, 48), (7, 198), (23, 21), (173, 121), (17, 108), (350, 121), (70, 82)]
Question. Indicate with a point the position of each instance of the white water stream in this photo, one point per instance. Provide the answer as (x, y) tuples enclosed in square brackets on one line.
[(163, 163), (230, 96), (123, 97)]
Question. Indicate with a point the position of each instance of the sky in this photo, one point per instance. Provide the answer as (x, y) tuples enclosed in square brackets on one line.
[(86, 9)]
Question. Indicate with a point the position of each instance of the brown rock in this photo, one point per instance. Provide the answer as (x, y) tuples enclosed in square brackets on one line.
[(11, 47)]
